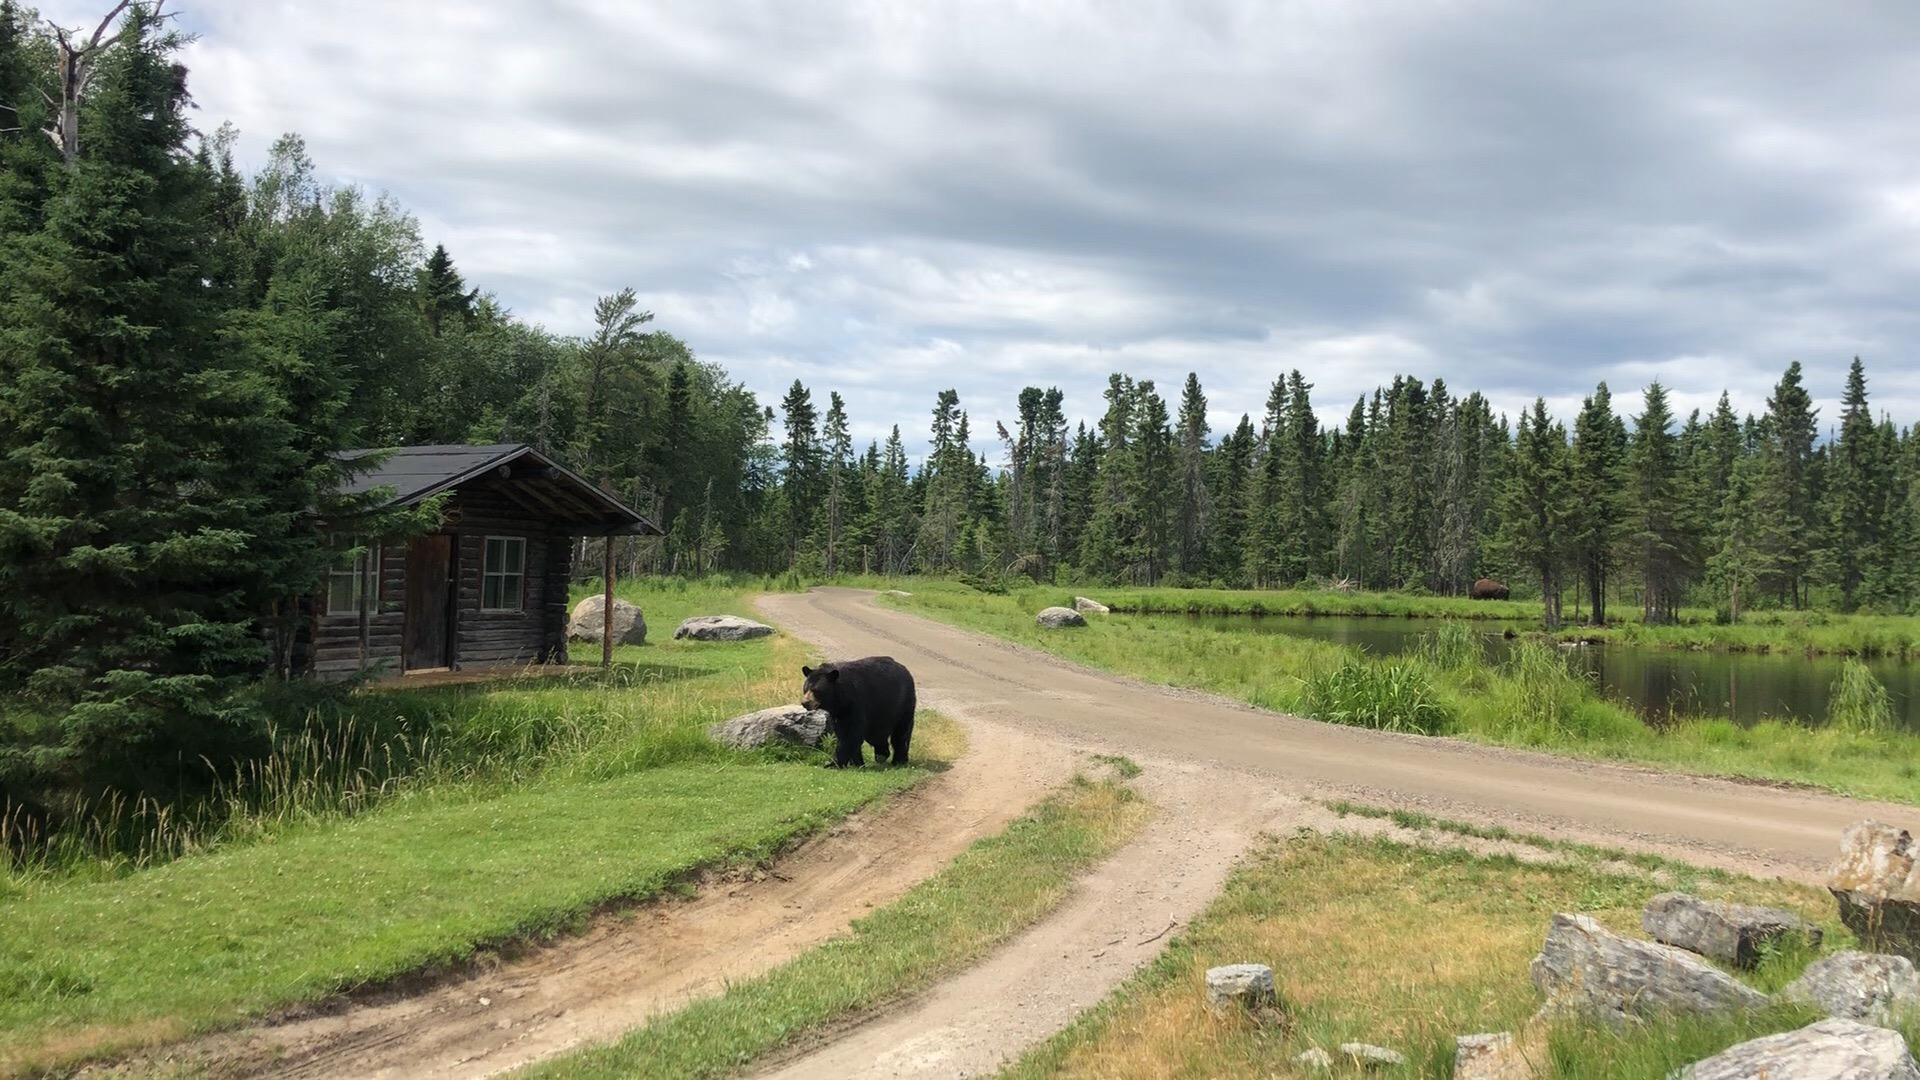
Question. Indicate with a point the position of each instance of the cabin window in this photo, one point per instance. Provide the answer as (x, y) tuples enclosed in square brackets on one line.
[(503, 573), (351, 583)]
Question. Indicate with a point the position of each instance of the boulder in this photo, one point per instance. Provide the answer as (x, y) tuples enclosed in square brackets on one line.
[(1734, 934), (898, 592), (1587, 969), (1369, 1056), (1081, 603), (1054, 618), (782, 723), (629, 626), (1877, 886), (1487, 589), (1820, 1051), (720, 628), (1497, 1055), (1875, 987), (1248, 986)]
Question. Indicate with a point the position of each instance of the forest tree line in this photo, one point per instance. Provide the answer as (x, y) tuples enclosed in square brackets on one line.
[(1418, 489)]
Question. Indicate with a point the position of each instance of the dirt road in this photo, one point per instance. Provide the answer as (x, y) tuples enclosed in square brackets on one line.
[(1749, 827), (1221, 773)]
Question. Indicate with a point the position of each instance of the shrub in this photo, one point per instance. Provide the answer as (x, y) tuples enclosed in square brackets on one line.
[(1386, 696)]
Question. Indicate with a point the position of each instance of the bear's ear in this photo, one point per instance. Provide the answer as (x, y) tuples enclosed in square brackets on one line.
[(834, 675), (806, 673)]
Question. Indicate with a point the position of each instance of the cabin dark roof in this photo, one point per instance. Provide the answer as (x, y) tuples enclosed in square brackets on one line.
[(523, 474)]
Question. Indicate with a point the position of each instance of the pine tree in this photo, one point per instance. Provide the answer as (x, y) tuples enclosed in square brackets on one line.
[(1536, 504), (1738, 561), (154, 503), (444, 297), (1788, 536), (803, 465), (1658, 533), (839, 478), (1857, 484), (1300, 509), (1196, 503), (1152, 486), (1266, 489), (1227, 488), (1598, 509)]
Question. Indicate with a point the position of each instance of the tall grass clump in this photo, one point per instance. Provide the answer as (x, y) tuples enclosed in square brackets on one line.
[(1385, 696), (1860, 703), (1453, 645)]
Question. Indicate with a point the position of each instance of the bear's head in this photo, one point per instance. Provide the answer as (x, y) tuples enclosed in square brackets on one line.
[(822, 689)]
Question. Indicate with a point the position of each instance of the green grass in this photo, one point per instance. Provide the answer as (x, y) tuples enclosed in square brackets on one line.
[(216, 938), (508, 809), (1810, 632), (991, 891), (1407, 946), (1534, 701)]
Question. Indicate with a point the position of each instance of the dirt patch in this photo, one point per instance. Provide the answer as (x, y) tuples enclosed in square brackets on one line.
[(630, 965)]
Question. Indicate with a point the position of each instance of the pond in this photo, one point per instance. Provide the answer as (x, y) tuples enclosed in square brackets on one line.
[(1659, 683)]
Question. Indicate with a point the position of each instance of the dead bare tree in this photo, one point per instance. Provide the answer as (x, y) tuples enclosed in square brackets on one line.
[(76, 60)]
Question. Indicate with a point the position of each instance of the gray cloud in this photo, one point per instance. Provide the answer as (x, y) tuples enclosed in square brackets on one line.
[(888, 199)]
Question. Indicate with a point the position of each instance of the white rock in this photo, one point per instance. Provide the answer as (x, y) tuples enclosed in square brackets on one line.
[(1588, 969), (586, 623), (1827, 1050), (787, 723), (1734, 934), (1876, 987), (1246, 985), (1368, 1056), (1081, 603), (1877, 883), (720, 628), (1315, 1058), (1055, 618)]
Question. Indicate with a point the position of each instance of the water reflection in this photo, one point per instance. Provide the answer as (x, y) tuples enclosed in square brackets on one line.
[(1659, 683)]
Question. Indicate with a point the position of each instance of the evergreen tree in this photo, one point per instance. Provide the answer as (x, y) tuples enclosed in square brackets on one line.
[(1788, 532), (1857, 485), (444, 297), (154, 503), (1299, 507), (1658, 533), (1598, 508), (1196, 503), (839, 479), (803, 465), (1535, 504), (1227, 488)]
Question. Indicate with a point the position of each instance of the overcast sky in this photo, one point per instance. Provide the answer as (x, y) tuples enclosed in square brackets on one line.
[(890, 198)]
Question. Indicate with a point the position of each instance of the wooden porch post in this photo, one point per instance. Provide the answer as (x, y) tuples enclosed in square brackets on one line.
[(606, 613)]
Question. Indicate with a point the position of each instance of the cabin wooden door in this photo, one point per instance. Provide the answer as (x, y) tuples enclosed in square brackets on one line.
[(429, 616)]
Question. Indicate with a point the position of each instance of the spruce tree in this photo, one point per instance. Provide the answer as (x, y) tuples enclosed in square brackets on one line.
[(1598, 509), (1196, 503), (1789, 531), (153, 505), (1857, 484), (838, 448), (1661, 540), (1536, 504)]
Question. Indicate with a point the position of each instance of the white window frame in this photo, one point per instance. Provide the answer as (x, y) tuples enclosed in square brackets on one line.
[(511, 567), (359, 578)]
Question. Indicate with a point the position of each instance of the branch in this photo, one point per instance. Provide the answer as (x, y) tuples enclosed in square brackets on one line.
[(108, 21)]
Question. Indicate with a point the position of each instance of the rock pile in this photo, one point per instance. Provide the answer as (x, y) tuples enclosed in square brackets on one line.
[(1737, 934)]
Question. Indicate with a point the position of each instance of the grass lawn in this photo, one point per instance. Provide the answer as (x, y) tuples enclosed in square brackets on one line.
[(1534, 702), (994, 889), (516, 808), (1405, 946)]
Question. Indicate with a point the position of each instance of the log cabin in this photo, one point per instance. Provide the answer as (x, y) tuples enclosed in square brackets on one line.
[(488, 587)]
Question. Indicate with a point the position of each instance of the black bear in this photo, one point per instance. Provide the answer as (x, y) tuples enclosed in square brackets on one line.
[(867, 700)]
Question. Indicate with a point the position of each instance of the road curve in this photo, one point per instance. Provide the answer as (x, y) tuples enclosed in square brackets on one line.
[(1750, 827)]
